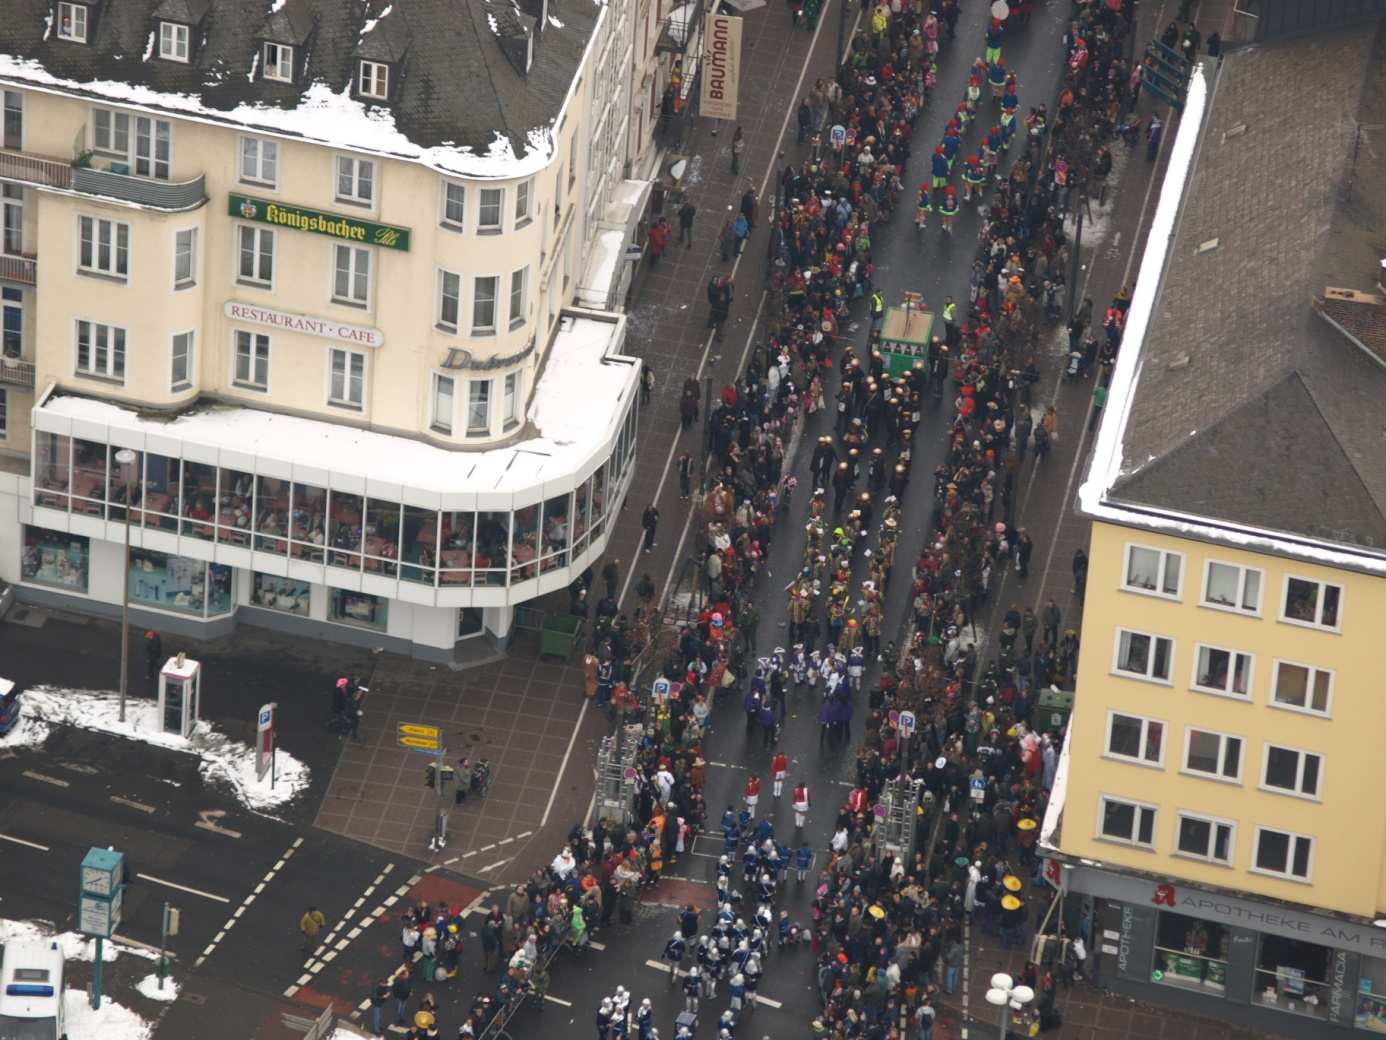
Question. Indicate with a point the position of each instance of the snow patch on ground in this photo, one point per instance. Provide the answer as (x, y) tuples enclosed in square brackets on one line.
[(149, 987), (222, 758), (27, 732), (112, 1022), (75, 946)]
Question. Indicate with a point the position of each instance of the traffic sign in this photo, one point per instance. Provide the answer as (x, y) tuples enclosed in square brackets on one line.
[(979, 789), (660, 691), (838, 135), (419, 744), (422, 738), (907, 723)]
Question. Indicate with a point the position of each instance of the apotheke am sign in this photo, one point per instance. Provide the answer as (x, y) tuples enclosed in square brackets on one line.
[(334, 225)]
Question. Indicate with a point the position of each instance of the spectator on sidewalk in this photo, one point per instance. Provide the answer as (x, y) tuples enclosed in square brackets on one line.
[(649, 521), (686, 214), (1050, 618), (153, 654), (738, 145)]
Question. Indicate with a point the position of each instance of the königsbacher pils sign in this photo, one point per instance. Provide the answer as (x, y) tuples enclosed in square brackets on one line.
[(334, 225)]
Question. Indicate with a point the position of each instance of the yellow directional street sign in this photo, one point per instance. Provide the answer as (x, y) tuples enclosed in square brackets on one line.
[(421, 743), (425, 738)]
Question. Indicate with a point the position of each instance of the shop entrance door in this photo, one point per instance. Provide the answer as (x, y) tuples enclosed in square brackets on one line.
[(469, 624)]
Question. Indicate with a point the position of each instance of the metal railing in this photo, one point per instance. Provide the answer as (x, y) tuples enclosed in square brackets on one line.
[(14, 372), (34, 169), (173, 196), (21, 269)]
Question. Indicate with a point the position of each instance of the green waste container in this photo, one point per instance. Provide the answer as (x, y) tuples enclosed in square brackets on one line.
[(559, 635), (1055, 707)]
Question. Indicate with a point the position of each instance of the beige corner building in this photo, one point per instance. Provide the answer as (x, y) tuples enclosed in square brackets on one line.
[(311, 263), (1219, 814)]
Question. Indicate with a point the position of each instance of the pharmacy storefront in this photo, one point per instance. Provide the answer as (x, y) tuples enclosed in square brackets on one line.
[(1298, 974)]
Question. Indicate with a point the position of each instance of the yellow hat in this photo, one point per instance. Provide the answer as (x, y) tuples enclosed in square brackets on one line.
[(876, 912), (422, 1019), (1009, 902), (1026, 824), (1011, 882)]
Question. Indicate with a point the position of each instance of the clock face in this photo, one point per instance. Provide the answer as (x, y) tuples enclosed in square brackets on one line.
[(95, 880)]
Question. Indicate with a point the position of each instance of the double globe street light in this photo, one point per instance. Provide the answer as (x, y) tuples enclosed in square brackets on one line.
[(1007, 996)]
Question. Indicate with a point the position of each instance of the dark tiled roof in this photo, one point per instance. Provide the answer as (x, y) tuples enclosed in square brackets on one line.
[(1248, 406), (1362, 316), (456, 84)]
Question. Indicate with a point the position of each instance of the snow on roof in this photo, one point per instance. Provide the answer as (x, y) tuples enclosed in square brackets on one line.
[(323, 115), (607, 250), (583, 391), (1058, 794)]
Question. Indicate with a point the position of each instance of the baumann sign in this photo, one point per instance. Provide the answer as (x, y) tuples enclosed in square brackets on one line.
[(334, 225), (721, 67)]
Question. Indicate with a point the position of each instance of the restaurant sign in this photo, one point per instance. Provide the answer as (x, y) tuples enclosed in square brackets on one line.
[(325, 328), (334, 225)]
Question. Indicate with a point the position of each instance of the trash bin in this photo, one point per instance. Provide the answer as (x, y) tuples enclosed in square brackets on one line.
[(558, 635), (1055, 706)]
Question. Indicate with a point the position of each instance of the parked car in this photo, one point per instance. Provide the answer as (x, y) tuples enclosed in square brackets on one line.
[(9, 706)]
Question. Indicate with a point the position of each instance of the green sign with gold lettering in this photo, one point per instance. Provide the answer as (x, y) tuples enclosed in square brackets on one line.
[(335, 225)]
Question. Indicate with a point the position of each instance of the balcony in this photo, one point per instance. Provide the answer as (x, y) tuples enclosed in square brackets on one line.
[(22, 270), (14, 372), (43, 172)]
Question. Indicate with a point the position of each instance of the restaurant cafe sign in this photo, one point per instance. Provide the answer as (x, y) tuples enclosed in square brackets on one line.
[(323, 328), (334, 225)]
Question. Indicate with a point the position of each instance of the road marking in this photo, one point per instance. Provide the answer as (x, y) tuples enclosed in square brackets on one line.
[(210, 821), (505, 841), (558, 1000), (183, 888), (493, 866), (488, 848), (78, 767), (21, 841), (250, 898), (45, 778), (132, 804)]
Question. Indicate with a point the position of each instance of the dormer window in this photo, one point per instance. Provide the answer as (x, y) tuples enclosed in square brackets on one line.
[(279, 62), (373, 80), (72, 22), (173, 41)]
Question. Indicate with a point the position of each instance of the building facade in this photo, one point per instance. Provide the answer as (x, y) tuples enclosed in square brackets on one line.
[(1217, 817), (317, 280)]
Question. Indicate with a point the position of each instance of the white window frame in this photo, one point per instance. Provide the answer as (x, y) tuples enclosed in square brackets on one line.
[(117, 342), (446, 221), (441, 320), (524, 202), (1162, 567), (259, 236), (373, 80), (145, 160), (73, 27), (175, 41), (1307, 708), (254, 340), (117, 129), (4, 413), (1209, 855), (1317, 624), (183, 280), (351, 168), (257, 162), (476, 298), (273, 58), (512, 400), (518, 313), (106, 235), (478, 431), (495, 227), (1141, 758), (1233, 608), (356, 257), (351, 360), (1138, 807), (1288, 873), (436, 421), (1301, 757), (1220, 772), (189, 358), (1227, 691), (1149, 675)]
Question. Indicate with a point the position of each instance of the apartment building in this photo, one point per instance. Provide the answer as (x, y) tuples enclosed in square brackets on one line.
[(287, 287), (1218, 821)]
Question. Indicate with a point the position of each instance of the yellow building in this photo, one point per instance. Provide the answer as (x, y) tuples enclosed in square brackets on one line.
[(310, 262), (1219, 811)]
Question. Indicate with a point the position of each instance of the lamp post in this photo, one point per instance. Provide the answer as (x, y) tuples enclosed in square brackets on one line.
[(124, 459), (1007, 996)]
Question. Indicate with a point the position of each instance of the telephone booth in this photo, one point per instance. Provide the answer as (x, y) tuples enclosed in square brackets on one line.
[(180, 688)]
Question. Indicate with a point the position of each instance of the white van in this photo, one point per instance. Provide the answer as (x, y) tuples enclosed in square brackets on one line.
[(31, 992)]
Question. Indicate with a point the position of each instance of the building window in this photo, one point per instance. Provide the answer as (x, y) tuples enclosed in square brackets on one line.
[(252, 360), (478, 408), (1304, 978), (347, 384), (511, 405), (179, 584), (519, 283), (100, 350), (256, 266), (72, 22), (374, 80), (454, 205), (1143, 656), (1213, 754), (1217, 670), (1312, 603), (1136, 739), (11, 218), (355, 180), (441, 420), (181, 377), (1302, 687), (524, 192), (12, 129), (110, 132), (351, 282), (173, 41), (56, 558), (153, 148), (489, 214), (572, 159), (1153, 571), (449, 300), (185, 258), (1283, 854), (4, 413), (484, 304), (358, 608), (283, 594), (1206, 838), (279, 62), (11, 321), (1228, 586), (1291, 771), (105, 247), (260, 161), (1130, 823)]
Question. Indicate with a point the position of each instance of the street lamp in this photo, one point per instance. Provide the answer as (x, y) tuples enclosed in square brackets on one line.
[(1007, 996), (125, 458)]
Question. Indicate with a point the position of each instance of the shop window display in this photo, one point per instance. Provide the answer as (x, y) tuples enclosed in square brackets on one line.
[(220, 592), (283, 594), (1292, 975), (359, 608), (168, 582), (1371, 996), (56, 558), (235, 507), (1191, 953), (52, 469)]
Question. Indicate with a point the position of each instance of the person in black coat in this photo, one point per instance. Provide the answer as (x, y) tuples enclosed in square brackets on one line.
[(153, 654)]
